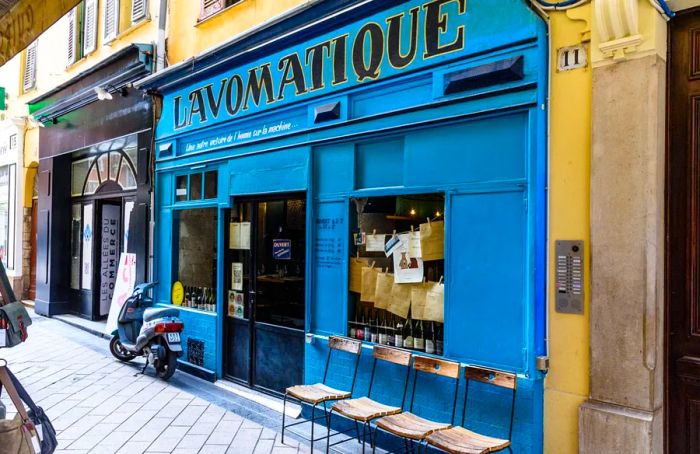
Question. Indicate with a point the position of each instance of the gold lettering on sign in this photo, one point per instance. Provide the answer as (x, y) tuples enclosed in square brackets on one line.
[(24, 23)]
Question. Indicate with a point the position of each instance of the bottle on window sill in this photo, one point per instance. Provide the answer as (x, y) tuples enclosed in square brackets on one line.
[(353, 329), (430, 338), (408, 334), (418, 339), (382, 331), (438, 339), (368, 333), (360, 333), (398, 333)]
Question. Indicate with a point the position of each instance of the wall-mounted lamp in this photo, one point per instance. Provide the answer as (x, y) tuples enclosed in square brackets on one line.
[(105, 93)]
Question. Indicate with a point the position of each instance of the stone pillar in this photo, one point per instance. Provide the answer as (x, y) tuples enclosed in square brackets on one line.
[(624, 411)]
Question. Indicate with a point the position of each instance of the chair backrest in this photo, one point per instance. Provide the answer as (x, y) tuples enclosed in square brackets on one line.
[(440, 367), (395, 356), (492, 377), (347, 345)]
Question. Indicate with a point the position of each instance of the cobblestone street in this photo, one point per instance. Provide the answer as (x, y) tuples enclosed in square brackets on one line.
[(99, 405)]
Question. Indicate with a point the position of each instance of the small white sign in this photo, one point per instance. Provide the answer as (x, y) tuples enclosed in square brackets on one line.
[(571, 57)]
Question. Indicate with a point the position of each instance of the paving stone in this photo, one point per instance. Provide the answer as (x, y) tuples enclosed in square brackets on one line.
[(134, 447), (168, 439), (215, 449), (93, 437), (191, 441)]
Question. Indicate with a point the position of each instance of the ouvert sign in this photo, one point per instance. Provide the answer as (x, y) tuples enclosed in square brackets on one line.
[(409, 37)]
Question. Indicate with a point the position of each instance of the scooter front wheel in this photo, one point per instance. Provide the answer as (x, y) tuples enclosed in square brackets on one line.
[(165, 368), (118, 350)]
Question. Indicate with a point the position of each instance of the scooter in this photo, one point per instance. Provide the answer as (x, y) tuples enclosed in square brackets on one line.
[(153, 333)]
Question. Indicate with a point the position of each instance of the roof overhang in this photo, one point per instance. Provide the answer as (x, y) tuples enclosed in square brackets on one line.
[(22, 21)]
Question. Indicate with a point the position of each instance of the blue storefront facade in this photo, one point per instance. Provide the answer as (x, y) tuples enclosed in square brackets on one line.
[(273, 150)]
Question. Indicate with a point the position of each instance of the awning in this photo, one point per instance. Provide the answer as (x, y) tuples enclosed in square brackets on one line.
[(22, 21)]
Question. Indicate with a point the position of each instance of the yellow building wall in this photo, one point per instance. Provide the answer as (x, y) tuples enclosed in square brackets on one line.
[(567, 382), (187, 37)]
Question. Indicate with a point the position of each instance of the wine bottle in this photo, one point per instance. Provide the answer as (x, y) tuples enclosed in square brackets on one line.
[(430, 338), (418, 339), (368, 333), (382, 330), (360, 334), (353, 329), (390, 331), (408, 334), (398, 333), (438, 339), (374, 328)]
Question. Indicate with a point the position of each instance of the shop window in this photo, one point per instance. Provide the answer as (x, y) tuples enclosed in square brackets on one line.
[(89, 174), (211, 184), (7, 216), (195, 185), (195, 233), (396, 274)]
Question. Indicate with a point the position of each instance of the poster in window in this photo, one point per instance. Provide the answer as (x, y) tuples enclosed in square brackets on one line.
[(239, 235), (432, 240), (109, 254), (88, 233), (236, 304), (237, 276), (375, 243), (407, 269)]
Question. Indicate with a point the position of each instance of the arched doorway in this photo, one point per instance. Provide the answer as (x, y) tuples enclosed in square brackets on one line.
[(103, 191)]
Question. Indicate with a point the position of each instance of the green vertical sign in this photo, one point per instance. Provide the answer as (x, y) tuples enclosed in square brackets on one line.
[(3, 105)]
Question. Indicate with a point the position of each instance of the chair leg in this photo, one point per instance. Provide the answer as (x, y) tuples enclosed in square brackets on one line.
[(328, 432), (284, 409), (313, 417), (357, 431)]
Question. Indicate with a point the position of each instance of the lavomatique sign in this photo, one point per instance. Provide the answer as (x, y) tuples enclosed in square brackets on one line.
[(407, 37)]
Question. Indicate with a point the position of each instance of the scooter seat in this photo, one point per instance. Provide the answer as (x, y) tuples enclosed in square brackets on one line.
[(154, 313)]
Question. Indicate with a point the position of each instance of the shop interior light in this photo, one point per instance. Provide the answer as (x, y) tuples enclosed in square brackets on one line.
[(413, 212), (437, 214)]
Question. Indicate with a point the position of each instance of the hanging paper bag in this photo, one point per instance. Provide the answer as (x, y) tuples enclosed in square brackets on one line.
[(355, 281), (369, 284), (435, 303), (432, 240), (382, 290), (400, 299), (419, 294)]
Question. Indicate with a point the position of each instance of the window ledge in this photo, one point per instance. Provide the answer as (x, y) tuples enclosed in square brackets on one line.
[(129, 30), (202, 20)]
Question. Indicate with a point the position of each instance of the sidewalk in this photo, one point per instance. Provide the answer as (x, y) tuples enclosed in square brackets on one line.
[(100, 405)]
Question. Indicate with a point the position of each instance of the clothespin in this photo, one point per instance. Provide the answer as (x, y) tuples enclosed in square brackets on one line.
[(372, 265), (411, 229), (358, 254), (428, 220), (374, 232), (394, 234), (440, 281)]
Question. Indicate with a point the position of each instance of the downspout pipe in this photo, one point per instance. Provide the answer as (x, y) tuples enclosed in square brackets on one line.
[(160, 46)]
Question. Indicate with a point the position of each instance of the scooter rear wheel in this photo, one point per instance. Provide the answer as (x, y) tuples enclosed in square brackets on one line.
[(118, 350), (166, 368)]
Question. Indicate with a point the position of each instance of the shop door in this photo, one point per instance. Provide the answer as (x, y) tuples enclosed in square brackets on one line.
[(265, 263), (683, 238)]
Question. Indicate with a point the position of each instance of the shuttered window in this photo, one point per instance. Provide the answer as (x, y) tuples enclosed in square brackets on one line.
[(211, 7), (90, 27), (111, 19), (29, 77), (73, 38), (139, 8)]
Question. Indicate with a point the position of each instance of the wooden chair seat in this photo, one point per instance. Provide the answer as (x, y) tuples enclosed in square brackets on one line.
[(408, 425), (458, 440), (364, 409), (314, 394)]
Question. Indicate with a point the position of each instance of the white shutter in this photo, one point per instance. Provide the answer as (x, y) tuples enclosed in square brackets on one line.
[(90, 27), (72, 36), (29, 79), (210, 7), (139, 8), (111, 19)]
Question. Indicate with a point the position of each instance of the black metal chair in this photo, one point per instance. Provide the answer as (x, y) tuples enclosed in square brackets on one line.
[(459, 440), (410, 427), (364, 410), (321, 393)]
